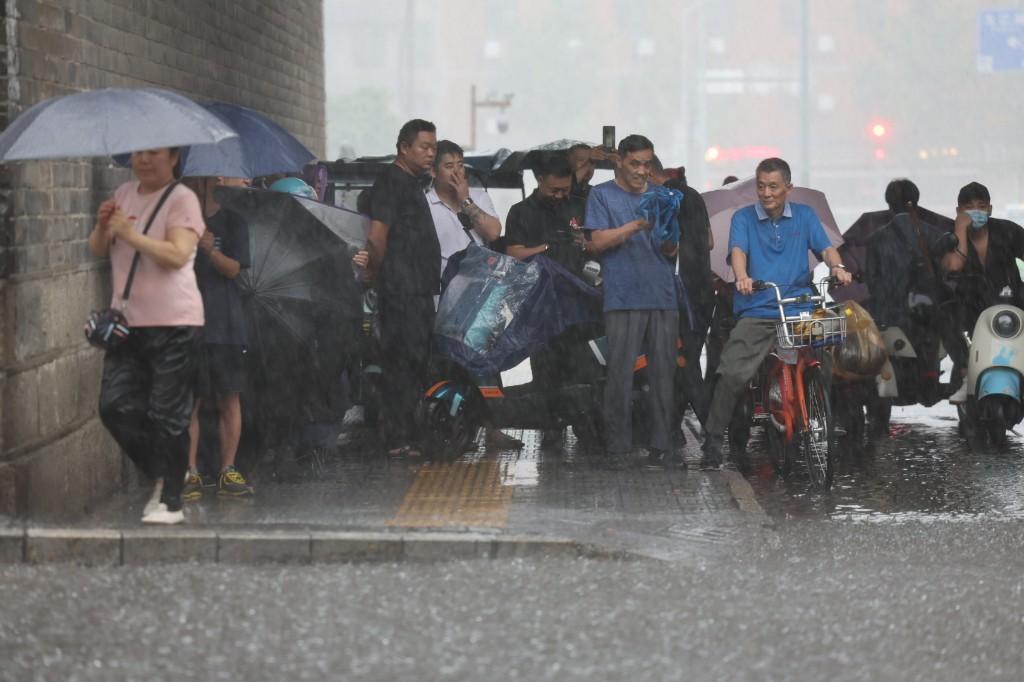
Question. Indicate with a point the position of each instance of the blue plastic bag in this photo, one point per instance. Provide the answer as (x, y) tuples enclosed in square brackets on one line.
[(660, 206)]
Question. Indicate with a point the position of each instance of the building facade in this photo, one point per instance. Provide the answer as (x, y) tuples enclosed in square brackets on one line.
[(55, 456)]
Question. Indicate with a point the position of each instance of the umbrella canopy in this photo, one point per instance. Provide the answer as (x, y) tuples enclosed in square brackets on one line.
[(108, 122), (724, 202), (299, 293), (854, 248), (523, 159), (262, 147)]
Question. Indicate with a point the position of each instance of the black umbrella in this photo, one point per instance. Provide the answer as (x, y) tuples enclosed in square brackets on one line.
[(302, 300)]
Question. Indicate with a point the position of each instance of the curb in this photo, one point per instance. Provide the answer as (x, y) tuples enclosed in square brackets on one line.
[(146, 546), (744, 497)]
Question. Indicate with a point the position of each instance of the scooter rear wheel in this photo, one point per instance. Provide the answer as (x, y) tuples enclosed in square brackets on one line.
[(447, 436)]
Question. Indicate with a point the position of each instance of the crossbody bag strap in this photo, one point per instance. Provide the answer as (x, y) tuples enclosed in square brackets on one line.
[(149, 223)]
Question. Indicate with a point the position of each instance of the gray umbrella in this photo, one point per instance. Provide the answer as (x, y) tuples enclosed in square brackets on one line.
[(524, 158), (107, 122)]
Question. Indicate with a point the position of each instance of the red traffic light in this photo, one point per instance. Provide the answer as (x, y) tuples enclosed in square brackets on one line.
[(879, 129)]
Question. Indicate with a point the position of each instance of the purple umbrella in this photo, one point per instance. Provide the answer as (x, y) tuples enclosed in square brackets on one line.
[(724, 202)]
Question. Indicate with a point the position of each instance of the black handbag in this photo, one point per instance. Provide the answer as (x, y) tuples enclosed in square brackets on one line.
[(108, 328)]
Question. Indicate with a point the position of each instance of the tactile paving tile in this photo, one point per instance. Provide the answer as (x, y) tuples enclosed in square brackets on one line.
[(456, 494)]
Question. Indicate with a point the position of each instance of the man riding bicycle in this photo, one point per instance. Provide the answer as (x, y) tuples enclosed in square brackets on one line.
[(767, 241)]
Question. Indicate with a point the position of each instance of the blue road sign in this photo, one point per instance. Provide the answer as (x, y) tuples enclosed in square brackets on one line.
[(1000, 40)]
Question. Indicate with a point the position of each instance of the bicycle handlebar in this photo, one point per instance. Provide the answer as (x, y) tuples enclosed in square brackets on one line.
[(762, 285)]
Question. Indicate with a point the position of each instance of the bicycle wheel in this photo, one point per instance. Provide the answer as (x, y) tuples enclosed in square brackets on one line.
[(819, 437)]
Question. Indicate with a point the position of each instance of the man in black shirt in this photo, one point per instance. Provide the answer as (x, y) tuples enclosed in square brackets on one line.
[(694, 264), (987, 252), (404, 261), (549, 220)]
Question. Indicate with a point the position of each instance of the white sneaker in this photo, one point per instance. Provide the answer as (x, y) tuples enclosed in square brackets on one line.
[(960, 397), (154, 499), (164, 516)]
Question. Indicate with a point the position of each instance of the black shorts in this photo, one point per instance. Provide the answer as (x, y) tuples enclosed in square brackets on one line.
[(220, 370)]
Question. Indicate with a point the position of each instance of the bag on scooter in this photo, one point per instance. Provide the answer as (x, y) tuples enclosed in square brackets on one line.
[(863, 353)]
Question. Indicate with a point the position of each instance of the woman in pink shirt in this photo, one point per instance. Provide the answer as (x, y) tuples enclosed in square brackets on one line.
[(146, 391)]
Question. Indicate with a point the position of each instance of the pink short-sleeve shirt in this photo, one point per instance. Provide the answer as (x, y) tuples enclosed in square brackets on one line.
[(160, 297)]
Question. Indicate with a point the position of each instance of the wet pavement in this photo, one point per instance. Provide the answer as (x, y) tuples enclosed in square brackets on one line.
[(911, 568), (675, 513), (922, 471)]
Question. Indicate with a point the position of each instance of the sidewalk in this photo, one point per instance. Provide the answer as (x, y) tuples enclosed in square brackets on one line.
[(486, 504)]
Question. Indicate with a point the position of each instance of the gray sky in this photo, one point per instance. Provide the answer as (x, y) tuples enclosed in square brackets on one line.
[(868, 91)]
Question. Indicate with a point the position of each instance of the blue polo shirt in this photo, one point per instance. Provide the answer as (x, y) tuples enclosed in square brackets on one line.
[(776, 252), (636, 275)]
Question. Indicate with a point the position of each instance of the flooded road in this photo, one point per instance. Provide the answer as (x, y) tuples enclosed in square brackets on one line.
[(922, 471)]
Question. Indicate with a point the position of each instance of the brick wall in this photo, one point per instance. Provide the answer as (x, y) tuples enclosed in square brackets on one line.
[(55, 457)]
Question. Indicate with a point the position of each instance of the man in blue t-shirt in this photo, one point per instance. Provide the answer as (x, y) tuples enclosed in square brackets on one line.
[(767, 241), (639, 301)]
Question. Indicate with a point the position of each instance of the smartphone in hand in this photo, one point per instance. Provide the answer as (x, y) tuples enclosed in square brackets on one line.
[(608, 137)]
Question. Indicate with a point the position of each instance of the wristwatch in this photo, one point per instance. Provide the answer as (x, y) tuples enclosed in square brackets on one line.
[(466, 204), (840, 266)]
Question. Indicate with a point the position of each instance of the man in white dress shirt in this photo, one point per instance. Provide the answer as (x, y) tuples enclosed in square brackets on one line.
[(463, 214)]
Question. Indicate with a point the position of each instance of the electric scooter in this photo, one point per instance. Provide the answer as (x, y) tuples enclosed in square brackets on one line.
[(455, 409), (995, 402)]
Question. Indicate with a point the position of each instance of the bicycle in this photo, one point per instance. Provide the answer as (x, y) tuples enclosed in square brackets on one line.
[(794, 386)]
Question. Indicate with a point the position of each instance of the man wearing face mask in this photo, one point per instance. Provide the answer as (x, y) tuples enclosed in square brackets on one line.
[(987, 248)]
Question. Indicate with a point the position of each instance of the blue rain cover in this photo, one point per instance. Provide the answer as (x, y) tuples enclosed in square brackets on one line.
[(496, 311)]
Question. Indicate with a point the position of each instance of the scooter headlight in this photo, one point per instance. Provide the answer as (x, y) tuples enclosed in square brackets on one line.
[(1006, 324)]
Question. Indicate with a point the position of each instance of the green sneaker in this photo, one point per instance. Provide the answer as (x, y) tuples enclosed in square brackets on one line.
[(234, 484), (193, 487)]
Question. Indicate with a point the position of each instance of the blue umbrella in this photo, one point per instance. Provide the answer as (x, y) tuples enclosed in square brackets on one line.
[(107, 122), (261, 148)]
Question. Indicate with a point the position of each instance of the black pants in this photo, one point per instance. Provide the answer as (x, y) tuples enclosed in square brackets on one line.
[(722, 322), (690, 383), (146, 402), (406, 325), (564, 362)]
